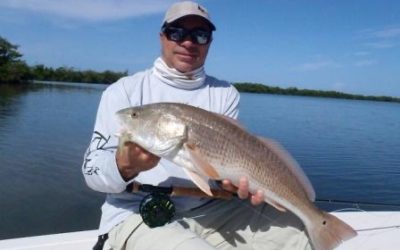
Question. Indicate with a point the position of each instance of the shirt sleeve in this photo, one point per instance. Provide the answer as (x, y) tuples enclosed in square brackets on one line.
[(99, 166), (232, 103)]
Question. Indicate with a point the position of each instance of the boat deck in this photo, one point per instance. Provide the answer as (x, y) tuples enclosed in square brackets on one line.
[(376, 231)]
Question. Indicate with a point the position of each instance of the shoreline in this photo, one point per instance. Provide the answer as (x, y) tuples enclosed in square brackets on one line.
[(256, 88)]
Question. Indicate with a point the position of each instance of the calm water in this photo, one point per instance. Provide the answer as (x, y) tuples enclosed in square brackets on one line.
[(349, 149)]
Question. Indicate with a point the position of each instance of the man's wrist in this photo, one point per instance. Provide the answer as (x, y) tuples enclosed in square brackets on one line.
[(127, 173)]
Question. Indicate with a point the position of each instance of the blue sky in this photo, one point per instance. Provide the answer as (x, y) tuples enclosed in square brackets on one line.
[(348, 46)]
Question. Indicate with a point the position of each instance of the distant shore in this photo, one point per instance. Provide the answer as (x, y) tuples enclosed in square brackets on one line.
[(259, 88), (13, 70), (265, 89)]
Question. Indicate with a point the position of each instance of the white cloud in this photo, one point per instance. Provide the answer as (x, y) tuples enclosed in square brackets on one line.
[(381, 45), (317, 65), (92, 10), (362, 53), (387, 32), (364, 63), (339, 86), (383, 38)]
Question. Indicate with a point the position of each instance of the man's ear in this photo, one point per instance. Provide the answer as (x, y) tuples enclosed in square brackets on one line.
[(162, 36)]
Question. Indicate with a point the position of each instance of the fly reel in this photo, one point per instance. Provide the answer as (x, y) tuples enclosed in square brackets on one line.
[(156, 209)]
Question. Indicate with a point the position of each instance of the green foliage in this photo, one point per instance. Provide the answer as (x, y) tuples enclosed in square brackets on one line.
[(8, 52), (261, 88), (12, 69), (67, 74)]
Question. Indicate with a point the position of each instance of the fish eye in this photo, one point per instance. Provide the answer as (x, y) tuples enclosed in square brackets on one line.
[(133, 115)]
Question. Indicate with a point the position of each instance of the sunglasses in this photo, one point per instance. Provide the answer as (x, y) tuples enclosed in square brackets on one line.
[(197, 35)]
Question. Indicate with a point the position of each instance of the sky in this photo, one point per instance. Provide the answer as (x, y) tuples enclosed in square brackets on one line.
[(351, 46)]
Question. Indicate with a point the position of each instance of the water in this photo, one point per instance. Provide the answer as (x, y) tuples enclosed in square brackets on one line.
[(349, 149), (43, 134)]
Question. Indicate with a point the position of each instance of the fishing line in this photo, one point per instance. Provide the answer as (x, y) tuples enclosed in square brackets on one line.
[(378, 228), (358, 202), (366, 229), (274, 220), (157, 209), (349, 209), (358, 209)]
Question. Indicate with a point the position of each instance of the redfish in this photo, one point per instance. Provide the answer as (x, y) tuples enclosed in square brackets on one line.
[(208, 145)]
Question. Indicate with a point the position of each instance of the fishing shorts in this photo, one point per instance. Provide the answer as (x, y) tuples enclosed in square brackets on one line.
[(219, 224)]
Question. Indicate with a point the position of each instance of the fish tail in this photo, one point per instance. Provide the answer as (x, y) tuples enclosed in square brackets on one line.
[(329, 232)]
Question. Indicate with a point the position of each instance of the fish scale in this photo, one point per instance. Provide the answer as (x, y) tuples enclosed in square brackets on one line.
[(208, 145), (246, 159)]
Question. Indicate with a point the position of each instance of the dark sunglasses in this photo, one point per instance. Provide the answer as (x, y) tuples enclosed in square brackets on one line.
[(197, 35)]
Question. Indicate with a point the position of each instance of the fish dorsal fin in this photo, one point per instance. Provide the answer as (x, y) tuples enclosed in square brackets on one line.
[(231, 120), (200, 181), (200, 161), (292, 164)]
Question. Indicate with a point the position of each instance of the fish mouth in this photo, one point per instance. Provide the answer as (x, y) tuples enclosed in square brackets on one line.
[(124, 111), (125, 115)]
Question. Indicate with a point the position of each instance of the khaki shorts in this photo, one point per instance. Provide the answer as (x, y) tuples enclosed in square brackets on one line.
[(234, 224)]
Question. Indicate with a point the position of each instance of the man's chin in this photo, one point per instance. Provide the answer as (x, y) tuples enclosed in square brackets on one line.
[(184, 67)]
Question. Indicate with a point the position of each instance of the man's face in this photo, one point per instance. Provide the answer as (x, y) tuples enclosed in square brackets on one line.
[(185, 56)]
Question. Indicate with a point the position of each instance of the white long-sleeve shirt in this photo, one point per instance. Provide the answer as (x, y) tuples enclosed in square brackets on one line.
[(99, 167)]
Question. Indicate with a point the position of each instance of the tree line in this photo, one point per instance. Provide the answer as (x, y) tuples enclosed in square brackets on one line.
[(67, 74), (261, 88), (14, 70)]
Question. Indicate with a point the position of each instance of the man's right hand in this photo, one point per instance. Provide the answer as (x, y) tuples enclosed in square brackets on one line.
[(242, 191), (132, 159)]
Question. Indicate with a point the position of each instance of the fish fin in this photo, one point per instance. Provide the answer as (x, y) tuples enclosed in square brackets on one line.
[(292, 164), (200, 181), (168, 146), (199, 161), (232, 120), (275, 204), (123, 138), (329, 232), (176, 133)]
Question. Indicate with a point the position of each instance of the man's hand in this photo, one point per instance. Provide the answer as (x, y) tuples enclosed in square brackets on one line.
[(243, 191), (132, 159)]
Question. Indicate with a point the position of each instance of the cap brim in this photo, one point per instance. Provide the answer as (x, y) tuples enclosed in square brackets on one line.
[(169, 22)]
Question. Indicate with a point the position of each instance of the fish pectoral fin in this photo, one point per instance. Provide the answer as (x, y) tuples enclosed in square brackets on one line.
[(200, 162), (124, 137), (201, 182), (275, 204), (166, 147)]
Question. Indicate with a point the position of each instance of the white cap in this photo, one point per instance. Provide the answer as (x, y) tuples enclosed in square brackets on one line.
[(186, 8)]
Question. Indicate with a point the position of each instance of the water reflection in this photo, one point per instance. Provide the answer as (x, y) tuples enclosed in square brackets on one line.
[(44, 130), (9, 100), (346, 147)]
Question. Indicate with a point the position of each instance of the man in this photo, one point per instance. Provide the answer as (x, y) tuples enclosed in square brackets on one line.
[(199, 223)]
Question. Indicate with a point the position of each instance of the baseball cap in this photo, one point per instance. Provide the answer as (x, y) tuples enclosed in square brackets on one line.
[(186, 8)]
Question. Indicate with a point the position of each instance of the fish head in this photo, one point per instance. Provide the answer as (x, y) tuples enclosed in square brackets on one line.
[(153, 128)]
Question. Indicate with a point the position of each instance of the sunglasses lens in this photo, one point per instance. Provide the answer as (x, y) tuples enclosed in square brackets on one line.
[(201, 36), (175, 34), (197, 36)]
